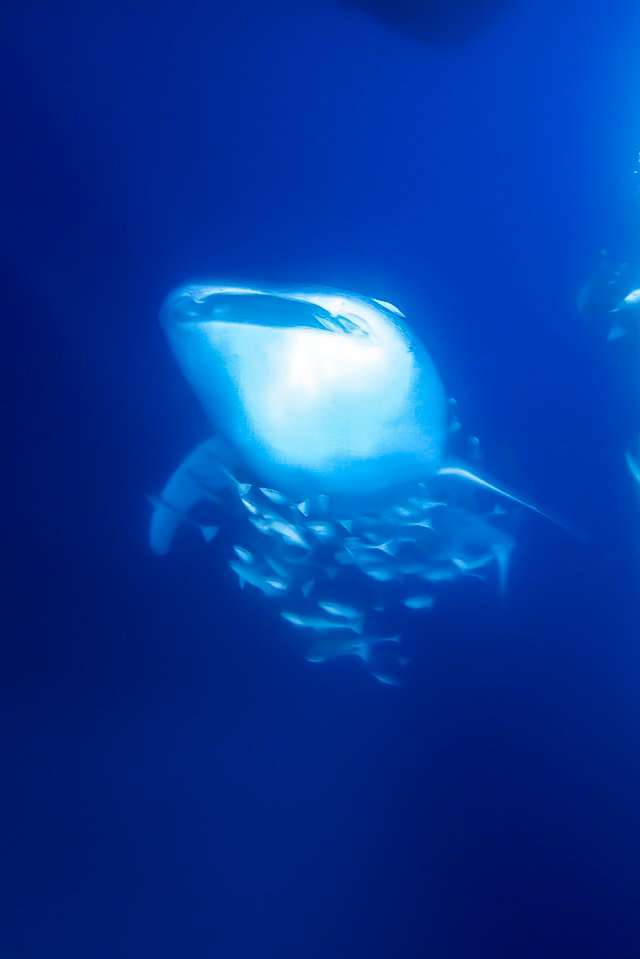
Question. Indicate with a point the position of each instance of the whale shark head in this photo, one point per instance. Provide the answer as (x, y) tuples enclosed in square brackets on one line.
[(312, 389)]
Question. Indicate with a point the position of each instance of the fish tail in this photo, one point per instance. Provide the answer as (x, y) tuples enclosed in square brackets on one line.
[(209, 533)]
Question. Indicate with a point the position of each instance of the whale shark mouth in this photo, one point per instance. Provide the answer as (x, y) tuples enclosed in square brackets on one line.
[(201, 305)]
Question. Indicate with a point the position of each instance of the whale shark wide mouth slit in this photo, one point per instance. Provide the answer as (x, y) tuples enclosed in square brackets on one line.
[(248, 308)]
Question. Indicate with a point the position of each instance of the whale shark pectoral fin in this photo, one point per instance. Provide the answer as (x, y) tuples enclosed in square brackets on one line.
[(464, 474), (198, 477)]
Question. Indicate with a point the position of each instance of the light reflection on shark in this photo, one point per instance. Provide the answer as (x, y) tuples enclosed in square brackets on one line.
[(315, 391), (329, 454)]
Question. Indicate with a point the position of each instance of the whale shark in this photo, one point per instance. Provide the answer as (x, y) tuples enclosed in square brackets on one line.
[(330, 458)]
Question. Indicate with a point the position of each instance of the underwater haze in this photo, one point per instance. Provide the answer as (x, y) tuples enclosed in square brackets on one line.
[(434, 753)]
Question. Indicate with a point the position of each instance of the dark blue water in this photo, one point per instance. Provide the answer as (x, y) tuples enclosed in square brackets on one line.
[(176, 781)]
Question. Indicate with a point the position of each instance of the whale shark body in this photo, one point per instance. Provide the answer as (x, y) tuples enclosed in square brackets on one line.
[(329, 465)]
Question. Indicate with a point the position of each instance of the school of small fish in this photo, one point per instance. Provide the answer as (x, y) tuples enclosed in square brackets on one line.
[(310, 563)]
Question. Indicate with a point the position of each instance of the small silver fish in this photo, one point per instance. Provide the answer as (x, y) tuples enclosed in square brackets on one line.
[(244, 554), (289, 533), (260, 523), (323, 530), (382, 575), (424, 503), (319, 623), (419, 602), (473, 562), (342, 610), (269, 585), (241, 488), (424, 523)]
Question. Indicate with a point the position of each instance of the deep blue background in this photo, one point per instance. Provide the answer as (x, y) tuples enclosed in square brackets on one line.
[(175, 781)]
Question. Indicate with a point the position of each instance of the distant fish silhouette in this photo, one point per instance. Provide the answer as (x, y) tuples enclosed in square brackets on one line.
[(433, 22)]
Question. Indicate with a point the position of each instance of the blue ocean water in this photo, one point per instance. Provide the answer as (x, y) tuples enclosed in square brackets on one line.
[(176, 780)]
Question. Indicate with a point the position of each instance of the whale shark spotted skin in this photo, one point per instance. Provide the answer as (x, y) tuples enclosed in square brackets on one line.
[(328, 465)]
